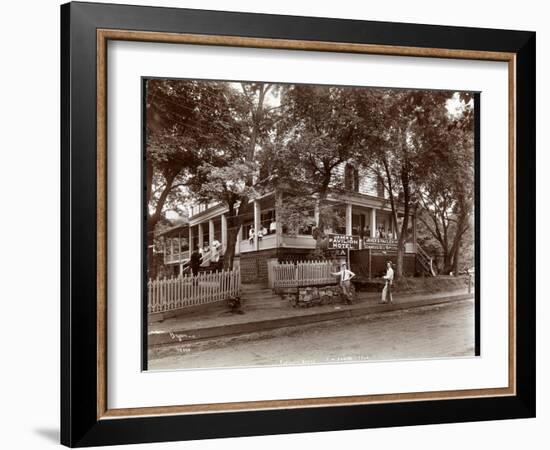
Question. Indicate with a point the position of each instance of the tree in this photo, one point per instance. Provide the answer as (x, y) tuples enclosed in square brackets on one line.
[(187, 122), (317, 134), (447, 195), (234, 174), (403, 132)]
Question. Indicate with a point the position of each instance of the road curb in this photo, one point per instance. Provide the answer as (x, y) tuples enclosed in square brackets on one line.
[(200, 334)]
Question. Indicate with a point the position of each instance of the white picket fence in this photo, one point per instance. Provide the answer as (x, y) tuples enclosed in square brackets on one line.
[(301, 273), (169, 294)]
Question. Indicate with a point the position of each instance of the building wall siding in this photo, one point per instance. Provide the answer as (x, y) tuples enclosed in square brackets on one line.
[(368, 180), (254, 266)]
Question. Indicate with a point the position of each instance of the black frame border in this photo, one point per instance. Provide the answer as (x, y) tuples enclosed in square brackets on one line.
[(79, 423)]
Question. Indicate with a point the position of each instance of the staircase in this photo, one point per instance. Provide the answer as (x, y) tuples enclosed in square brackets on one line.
[(424, 260), (259, 296)]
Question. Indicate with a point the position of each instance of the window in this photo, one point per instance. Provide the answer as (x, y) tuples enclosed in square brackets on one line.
[(351, 178), (379, 186), (267, 217)]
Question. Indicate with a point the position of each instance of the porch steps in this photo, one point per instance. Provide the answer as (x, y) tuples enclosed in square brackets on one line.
[(259, 296)]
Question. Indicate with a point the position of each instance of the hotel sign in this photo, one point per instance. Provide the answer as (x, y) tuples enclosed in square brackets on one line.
[(380, 243), (343, 242)]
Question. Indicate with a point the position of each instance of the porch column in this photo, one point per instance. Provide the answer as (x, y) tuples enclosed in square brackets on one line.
[(201, 236), (257, 224), (191, 249), (373, 222), (348, 218), (224, 232), (210, 231), (238, 243), (171, 249), (278, 224)]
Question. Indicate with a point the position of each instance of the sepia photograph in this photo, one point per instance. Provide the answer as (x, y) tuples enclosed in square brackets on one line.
[(291, 224)]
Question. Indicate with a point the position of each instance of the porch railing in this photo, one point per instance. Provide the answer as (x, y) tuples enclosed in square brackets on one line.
[(169, 294), (174, 258)]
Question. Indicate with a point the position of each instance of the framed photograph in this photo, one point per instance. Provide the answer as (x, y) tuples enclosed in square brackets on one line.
[(278, 224)]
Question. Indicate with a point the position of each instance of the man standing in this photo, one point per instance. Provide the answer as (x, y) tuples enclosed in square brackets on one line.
[(386, 292), (345, 283), (195, 261)]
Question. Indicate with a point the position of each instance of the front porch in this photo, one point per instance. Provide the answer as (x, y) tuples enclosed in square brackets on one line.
[(262, 232)]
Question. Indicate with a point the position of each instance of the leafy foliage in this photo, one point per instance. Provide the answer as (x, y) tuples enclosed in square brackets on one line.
[(227, 142)]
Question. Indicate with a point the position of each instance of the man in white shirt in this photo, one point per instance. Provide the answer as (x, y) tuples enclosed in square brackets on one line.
[(345, 277), (386, 292)]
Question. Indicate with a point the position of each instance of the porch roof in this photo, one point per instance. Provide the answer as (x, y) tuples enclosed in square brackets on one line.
[(174, 231)]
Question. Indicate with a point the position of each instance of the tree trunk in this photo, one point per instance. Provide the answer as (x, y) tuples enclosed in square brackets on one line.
[(153, 219), (455, 249), (234, 217), (447, 263), (149, 170), (320, 237), (456, 259), (229, 255), (234, 223), (151, 267), (402, 235)]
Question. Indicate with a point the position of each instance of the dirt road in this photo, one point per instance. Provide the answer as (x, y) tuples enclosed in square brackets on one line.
[(429, 332)]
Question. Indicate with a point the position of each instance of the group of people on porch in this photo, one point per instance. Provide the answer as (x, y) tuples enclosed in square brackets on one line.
[(263, 231), (205, 256), (380, 232)]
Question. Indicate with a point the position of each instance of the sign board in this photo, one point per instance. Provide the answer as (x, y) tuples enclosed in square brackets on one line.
[(380, 243), (342, 242)]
